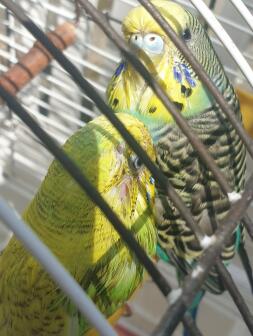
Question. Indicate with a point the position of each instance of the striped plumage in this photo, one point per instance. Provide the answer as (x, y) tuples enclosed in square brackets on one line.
[(197, 187), (79, 234), (175, 156)]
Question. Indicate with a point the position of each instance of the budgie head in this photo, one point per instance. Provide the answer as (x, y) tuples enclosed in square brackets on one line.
[(166, 63), (113, 169), (123, 179)]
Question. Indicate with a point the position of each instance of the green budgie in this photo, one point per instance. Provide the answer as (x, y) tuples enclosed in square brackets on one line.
[(196, 185), (80, 236)]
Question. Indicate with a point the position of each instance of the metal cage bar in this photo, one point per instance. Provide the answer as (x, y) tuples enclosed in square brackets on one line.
[(122, 131), (71, 167), (243, 11), (194, 280), (225, 38), (56, 270), (182, 123)]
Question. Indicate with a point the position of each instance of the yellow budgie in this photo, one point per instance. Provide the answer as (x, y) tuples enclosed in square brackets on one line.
[(175, 155), (79, 234)]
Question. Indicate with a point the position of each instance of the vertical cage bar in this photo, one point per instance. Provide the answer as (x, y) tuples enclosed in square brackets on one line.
[(55, 269)]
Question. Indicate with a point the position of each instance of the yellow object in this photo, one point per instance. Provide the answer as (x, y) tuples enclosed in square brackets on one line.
[(175, 154), (246, 101), (80, 235), (127, 90)]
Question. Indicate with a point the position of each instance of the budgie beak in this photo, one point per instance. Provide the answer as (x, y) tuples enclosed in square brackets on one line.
[(124, 189), (136, 44), (128, 195), (149, 49), (147, 45)]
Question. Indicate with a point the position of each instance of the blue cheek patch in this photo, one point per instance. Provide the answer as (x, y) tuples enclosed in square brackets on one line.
[(188, 76), (180, 70), (119, 69), (148, 197), (191, 81), (177, 74), (152, 180)]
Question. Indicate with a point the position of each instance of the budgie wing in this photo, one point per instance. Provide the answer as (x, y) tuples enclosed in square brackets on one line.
[(197, 187)]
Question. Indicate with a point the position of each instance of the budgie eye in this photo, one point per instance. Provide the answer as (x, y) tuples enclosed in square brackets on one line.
[(137, 163), (153, 43), (136, 40), (186, 35)]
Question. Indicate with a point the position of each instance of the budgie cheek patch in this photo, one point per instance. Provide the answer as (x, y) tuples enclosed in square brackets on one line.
[(152, 180), (181, 72), (120, 69), (149, 197)]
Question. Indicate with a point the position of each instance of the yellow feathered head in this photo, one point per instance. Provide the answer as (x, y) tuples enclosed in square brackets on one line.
[(139, 21), (165, 62)]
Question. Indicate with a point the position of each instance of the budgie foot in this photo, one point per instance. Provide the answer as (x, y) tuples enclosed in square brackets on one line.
[(112, 320), (127, 311)]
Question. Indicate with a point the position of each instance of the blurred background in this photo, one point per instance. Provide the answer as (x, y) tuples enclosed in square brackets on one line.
[(60, 107)]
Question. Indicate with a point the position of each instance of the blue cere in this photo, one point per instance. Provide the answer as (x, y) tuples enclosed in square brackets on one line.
[(177, 73), (152, 180), (119, 69)]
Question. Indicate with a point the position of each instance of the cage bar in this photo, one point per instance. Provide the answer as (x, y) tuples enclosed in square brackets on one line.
[(93, 15)]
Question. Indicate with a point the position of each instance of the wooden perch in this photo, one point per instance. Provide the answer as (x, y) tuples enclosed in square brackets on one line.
[(37, 59)]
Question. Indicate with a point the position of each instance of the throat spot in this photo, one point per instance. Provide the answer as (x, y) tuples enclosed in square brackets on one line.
[(179, 106), (115, 102), (186, 91), (152, 109)]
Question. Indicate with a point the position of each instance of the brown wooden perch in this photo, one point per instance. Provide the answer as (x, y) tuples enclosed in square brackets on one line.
[(37, 59)]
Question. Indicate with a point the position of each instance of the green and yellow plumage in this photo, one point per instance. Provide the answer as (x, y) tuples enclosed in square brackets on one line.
[(79, 234), (176, 157)]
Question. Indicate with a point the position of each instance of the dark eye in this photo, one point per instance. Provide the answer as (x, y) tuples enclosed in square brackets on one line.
[(186, 35), (137, 163)]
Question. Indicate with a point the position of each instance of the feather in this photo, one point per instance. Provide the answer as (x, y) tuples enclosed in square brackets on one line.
[(80, 235), (176, 157)]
